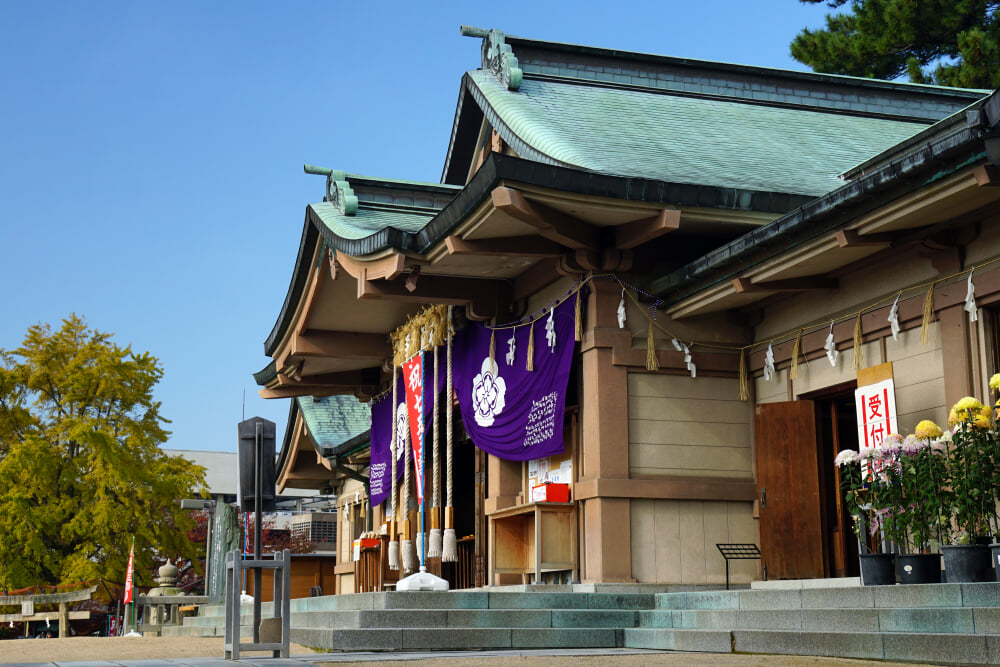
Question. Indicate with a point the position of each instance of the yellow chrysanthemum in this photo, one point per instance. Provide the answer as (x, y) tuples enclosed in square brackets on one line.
[(995, 382), (983, 418), (953, 419), (968, 404), (928, 429)]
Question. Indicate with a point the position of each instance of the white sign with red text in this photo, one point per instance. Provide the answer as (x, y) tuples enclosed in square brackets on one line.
[(876, 410)]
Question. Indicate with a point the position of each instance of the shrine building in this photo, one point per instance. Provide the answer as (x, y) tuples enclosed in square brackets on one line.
[(716, 249)]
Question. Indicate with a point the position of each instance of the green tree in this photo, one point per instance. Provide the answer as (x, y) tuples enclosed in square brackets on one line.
[(81, 470), (944, 42)]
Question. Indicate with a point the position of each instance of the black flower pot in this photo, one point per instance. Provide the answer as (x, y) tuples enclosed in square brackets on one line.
[(878, 569), (919, 568), (967, 563), (995, 549)]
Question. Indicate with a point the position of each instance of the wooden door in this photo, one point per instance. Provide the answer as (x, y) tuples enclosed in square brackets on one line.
[(791, 523)]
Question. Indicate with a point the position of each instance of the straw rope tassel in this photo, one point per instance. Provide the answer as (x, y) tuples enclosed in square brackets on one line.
[(393, 536), (928, 314), (859, 350), (793, 372), (652, 363), (434, 539), (744, 381), (493, 346), (408, 551), (578, 317), (449, 546), (530, 364)]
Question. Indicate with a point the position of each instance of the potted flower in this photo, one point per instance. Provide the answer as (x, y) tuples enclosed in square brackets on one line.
[(969, 492), (921, 464), (865, 505)]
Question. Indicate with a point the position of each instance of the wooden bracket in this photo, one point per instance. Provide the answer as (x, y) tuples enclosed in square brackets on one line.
[(550, 223)]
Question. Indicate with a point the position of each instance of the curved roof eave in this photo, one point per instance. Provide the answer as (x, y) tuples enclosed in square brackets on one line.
[(499, 168)]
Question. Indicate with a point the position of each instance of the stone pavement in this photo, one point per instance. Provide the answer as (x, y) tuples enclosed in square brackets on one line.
[(549, 658)]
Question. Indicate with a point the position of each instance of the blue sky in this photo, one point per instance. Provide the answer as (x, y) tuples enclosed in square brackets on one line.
[(151, 152)]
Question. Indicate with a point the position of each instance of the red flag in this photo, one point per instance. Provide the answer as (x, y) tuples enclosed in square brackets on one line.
[(413, 374), (128, 574)]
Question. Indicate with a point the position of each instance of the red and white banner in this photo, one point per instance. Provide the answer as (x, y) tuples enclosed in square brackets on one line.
[(413, 375), (129, 575), (876, 410)]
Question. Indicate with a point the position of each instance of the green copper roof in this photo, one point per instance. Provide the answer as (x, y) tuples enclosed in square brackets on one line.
[(656, 135), (333, 420), (367, 221)]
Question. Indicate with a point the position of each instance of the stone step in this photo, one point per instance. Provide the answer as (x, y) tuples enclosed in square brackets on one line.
[(468, 618), (949, 649), (861, 597), (968, 620), (669, 639), (444, 639)]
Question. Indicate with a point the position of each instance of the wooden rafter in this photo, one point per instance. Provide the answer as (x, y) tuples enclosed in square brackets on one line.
[(522, 246), (387, 267), (550, 223), (636, 233), (483, 297), (341, 345), (849, 238), (805, 284)]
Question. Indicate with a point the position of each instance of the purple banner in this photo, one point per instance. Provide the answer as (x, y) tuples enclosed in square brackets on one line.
[(508, 411), (380, 473)]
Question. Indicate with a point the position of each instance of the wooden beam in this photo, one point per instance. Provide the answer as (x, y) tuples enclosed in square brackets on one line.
[(987, 175), (483, 297), (849, 238), (805, 284), (636, 233), (387, 267), (550, 223), (41, 616), (341, 344), (354, 378), (523, 246)]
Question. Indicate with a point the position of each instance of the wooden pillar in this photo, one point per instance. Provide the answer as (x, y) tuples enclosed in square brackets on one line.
[(63, 620), (955, 350), (606, 522)]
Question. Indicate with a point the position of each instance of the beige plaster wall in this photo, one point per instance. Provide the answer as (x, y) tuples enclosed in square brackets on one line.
[(673, 541), (918, 372), (684, 426)]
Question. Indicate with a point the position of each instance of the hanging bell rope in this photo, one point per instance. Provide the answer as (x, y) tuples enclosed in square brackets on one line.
[(434, 540), (449, 546), (652, 363)]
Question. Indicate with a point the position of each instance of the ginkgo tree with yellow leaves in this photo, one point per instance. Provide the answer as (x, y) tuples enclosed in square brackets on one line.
[(81, 469)]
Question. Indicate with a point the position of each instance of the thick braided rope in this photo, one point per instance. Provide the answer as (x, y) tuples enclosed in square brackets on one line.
[(448, 414), (406, 475), (437, 437), (394, 452)]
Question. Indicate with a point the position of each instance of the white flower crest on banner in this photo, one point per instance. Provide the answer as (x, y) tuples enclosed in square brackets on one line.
[(489, 393), (769, 363), (894, 317), (621, 311), (970, 299), (550, 330), (831, 347)]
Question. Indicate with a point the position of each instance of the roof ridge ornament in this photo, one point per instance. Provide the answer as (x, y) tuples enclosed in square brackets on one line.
[(498, 57), (338, 189)]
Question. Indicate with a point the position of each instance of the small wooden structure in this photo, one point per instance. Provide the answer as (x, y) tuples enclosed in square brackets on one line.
[(64, 616)]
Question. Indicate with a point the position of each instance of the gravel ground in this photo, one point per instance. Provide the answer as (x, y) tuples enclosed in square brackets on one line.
[(73, 649)]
